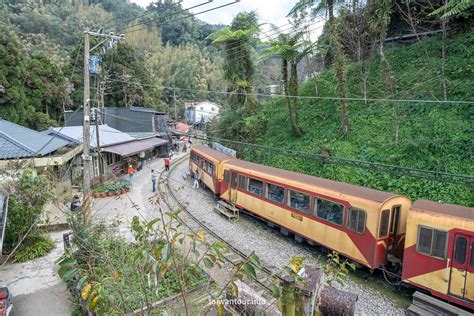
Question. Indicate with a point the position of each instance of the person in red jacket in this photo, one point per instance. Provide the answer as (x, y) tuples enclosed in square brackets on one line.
[(167, 164)]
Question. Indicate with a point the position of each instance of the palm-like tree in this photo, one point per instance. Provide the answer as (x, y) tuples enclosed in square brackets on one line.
[(239, 66), (291, 49), (317, 6)]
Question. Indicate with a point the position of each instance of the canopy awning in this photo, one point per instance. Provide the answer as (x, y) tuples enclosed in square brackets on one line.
[(135, 147)]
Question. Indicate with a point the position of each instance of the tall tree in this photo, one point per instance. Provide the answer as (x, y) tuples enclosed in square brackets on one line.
[(316, 7), (238, 42), (339, 63), (291, 49)]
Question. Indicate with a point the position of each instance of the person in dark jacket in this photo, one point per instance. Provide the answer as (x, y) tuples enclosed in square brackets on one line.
[(75, 203)]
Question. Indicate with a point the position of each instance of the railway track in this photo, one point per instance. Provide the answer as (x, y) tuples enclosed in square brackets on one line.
[(265, 275)]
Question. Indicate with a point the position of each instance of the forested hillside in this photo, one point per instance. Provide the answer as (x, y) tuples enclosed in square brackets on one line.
[(436, 137), (361, 108), (41, 57)]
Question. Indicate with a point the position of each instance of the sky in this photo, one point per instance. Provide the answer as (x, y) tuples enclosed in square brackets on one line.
[(269, 11)]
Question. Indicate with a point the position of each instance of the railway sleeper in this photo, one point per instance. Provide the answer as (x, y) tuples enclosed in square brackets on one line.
[(424, 304)]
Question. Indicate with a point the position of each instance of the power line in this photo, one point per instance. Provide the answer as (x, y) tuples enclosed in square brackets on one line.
[(185, 17), (425, 174), (170, 15), (311, 97), (454, 178)]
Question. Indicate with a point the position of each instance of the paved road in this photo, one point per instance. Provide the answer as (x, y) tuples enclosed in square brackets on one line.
[(37, 290), (35, 285)]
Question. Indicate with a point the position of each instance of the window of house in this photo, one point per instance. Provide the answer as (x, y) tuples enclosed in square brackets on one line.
[(356, 221), (213, 109), (275, 193), (384, 217), (460, 250), (227, 176), (432, 242), (299, 201), (255, 186), (330, 211), (241, 182), (202, 108)]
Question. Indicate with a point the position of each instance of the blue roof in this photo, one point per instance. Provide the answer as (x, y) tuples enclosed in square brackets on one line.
[(20, 142), (107, 135)]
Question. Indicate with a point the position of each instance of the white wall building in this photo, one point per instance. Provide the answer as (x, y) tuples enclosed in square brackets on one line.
[(200, 112)]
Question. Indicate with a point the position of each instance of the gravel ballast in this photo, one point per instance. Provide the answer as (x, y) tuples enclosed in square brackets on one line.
[(274, 249)]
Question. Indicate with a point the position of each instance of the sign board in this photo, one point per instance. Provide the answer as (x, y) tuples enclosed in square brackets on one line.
[(224, 150)]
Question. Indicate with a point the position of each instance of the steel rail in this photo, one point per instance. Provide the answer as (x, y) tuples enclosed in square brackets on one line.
[(232, 248)]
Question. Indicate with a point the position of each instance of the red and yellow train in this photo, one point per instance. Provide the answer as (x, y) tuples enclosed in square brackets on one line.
[(433, 243)]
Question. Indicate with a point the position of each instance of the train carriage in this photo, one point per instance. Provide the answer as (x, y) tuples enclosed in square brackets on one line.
[(433, 243), (439, 251), (209, 163), (363, 224)]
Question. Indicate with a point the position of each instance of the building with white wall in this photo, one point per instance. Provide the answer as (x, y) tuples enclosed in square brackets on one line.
[(200, 112)]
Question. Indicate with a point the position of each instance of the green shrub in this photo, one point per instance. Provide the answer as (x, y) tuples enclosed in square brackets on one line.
[(34, 247)]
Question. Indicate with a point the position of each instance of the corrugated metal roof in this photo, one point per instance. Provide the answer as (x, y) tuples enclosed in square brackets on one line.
[(442, 208), (135, 147), (107, 135), (350, 189), (20, 142)]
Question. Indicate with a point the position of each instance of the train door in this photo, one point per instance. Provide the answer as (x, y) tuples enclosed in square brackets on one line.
[(461, 281), (394, 224), (233, 188)]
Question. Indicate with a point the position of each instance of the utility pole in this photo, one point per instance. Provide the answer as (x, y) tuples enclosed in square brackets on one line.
[(86, 158), (99, 154), (174, 101)]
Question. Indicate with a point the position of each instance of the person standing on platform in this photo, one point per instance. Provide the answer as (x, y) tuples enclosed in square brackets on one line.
[(153, 181), (196, 179), (130, 172), (167, 164)]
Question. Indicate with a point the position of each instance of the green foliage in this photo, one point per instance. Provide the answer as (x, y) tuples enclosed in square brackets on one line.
[(111, 186), (432, 136), (335, 269), (453, 8), (34, 247), (25, 206), (187, 66), (33, 88)]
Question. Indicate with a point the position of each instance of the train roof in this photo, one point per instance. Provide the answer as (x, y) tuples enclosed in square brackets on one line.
[(442, 208), (350, 189), (211, 152)]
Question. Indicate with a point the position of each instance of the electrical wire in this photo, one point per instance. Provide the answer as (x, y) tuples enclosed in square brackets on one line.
[(459, 102), (185, 17), (170, 15), (363, 164)]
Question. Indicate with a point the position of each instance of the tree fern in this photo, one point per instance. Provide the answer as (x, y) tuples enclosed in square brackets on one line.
[(453, 8)]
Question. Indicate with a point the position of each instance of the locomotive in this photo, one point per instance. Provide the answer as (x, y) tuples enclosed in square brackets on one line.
[(431, 243)]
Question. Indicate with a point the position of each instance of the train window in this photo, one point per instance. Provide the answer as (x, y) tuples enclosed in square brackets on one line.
[(255, 186), (330, 211), (472, 255), (209, 167), (241, 182), (275, 193), (439, 244), (357, 220), (227, 176), (431, 242), (460, 250), (384, 223), (299, 201)]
